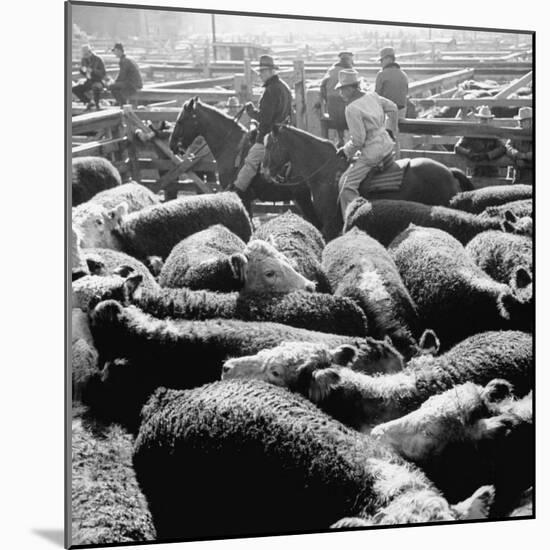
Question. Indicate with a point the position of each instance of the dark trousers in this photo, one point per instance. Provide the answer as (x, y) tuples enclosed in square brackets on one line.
[(121, 92), (82, 90), (524, 175)]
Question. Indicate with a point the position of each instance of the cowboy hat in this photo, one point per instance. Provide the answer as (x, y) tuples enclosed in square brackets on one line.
[(341, 54), (347, 77), (118, 46), (524, 113), (484, 112), (266, 62), (386, 52)]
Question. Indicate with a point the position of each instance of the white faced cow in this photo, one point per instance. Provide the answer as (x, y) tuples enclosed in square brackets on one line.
[(95, 223)]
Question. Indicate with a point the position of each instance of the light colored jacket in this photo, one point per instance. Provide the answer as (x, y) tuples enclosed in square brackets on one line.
[(366, 122)]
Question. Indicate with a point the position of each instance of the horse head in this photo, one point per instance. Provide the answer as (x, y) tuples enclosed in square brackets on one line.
[(187, 126), (276, 152)]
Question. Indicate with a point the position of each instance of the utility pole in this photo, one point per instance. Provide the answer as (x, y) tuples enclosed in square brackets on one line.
[(213, 19)]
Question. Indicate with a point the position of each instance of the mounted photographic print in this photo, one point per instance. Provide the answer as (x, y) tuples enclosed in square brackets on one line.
[(301, 274)]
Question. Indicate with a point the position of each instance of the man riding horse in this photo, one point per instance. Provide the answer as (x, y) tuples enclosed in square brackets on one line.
[(366, 118), (275, 107)]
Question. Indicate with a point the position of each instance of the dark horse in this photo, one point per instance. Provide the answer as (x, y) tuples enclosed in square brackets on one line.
[(225, 136), (315, 163)]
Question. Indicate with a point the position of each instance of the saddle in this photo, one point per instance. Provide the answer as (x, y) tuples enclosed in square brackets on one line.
[(386, 177)]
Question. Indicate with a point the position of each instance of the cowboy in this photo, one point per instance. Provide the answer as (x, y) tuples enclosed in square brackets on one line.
[(128, 81), (481, 149), (365, 115), (274, 107), (521, 151), (335, 105), (93, 69), (392, 83)]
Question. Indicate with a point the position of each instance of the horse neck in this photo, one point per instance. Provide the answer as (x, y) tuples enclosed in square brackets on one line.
[(308, 155), (217, 130)]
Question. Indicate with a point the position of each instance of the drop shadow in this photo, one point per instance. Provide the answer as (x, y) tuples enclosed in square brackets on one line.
[(57, 536)]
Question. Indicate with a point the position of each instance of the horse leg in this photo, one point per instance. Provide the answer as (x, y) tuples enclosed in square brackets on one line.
[(302, 197)]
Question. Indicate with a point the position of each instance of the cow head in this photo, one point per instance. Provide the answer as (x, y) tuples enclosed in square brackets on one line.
[(95, 224), (466, 413), (268, 270)]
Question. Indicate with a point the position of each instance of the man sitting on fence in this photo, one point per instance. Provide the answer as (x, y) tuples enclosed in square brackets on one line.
[(93, 70), (479, 149), (128, 81), (521, 151), (275, 107), (335, 105), (366, 118)]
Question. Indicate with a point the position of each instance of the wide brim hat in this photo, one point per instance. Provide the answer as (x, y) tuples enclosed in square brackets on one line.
[(385, 52), (341, 54), (524, 113), (266, 62), (484, 112), (117, 46), (347, 77)]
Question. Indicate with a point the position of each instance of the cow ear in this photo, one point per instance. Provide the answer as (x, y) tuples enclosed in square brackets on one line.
[(344, 355), (118, 212), (95, 265), (131, 284), (522, 278), (478, 505), (509, 216), (321, 384), (429, 342), (497, 390), (492, 427), (238, 263), (106, 312)]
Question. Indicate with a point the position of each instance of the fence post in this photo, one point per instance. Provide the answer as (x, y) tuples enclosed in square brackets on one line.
[(247, 80), (132, 149), (300, 94), (207, 72)]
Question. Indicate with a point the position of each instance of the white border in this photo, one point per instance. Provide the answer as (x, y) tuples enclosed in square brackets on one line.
[(32, 274)]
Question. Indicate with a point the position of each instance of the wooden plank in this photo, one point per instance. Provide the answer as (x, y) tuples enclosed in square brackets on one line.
[(461, 128), (103, 147), (461, 102), (204, 165), (97, 120), (300, 95), (193, 83), (446, 93), (444, 80), (451, 159), (208, 95), (516, 85)]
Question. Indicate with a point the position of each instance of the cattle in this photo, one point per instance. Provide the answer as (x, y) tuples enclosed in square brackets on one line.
[(501, 254), (135, 195), (107, 505), (384, 220), (90, 175), (478, 200), (208, 259), (155, 230), (469, 436), (300, 242), (360, 268), (271, 461), (452, 293), (362, 401), (78, 263)]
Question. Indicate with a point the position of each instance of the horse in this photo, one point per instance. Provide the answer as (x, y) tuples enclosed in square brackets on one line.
[(226, 138), (314, 162)]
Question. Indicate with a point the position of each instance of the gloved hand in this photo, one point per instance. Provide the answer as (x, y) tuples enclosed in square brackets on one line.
[(340, 153), (249, 107)]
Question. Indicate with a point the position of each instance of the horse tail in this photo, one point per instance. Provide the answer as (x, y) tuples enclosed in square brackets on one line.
[(464, 181)]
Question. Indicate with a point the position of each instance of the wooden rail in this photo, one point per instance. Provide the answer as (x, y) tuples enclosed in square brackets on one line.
[(440, 82)]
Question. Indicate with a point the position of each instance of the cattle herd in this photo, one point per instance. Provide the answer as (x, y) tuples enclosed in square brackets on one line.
[(235, 378)]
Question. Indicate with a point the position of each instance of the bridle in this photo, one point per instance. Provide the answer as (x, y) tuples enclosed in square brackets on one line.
[(302, 179)]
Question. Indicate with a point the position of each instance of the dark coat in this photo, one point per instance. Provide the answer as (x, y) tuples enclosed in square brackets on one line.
[(521, 151), (480, 149), (96, 66), (129, 73), (392, 83), (275, 106)]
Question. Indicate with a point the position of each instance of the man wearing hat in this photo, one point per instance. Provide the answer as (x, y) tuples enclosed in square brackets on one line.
[(335, 105), (521, 151), (274, 108), (366, 117), (481, 149), (93, 69), (391, 81), (128, 80)]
